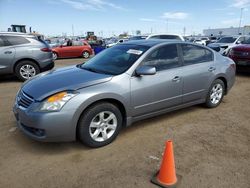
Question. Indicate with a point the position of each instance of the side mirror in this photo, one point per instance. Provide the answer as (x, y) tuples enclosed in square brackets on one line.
[(238, 42), (145, 70), (61, 46)]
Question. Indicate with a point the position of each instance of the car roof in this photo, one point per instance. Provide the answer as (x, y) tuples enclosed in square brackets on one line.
[(151, 42), (16, 34)]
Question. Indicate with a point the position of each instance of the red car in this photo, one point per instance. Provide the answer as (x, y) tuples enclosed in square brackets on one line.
[(73, 49), (241, 54)]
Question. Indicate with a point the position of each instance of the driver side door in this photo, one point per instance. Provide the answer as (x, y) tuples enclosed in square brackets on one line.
[(162, 90)]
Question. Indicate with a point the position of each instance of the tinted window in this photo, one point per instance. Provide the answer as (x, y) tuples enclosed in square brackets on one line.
[(195, 54), (171, 37), (227, 40), (1, 42), (163, 58), (16, 40), (155, 37), (115, 60)]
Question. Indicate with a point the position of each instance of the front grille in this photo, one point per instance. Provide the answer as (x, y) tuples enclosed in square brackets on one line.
[(24, 100)]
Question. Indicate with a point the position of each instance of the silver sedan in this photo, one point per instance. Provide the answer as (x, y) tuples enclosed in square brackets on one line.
[(121, 85)]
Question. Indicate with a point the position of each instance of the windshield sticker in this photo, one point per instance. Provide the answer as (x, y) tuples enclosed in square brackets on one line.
[(136, 52)]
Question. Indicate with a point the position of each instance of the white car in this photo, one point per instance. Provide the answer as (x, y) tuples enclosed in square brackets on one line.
[(166, 36), (226, 43), (119, 41)]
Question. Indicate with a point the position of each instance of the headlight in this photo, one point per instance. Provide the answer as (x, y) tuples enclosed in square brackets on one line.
[(57, 101)]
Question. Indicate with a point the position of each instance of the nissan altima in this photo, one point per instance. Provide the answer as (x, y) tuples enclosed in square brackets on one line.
[(126, 83)]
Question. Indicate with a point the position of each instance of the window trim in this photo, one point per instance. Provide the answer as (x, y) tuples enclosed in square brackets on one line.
[(182, 57)]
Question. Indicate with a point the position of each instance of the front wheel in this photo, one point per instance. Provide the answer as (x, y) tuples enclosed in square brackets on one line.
[(99, 125), (85, 54), (215, 94)]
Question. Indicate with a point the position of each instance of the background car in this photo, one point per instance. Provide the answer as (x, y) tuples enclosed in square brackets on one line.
[(226, 43), (198, 41), (241, 53), (123, 84), (138, 37), (118, 41), (166, 36), (24, 55), (73, 49)]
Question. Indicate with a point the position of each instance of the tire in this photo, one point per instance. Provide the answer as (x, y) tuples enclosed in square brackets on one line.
[(95, 131), (55, 56), (85, 54), (215, 94), (26, 69)]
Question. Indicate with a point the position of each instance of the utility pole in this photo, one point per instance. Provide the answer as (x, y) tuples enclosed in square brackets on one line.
[(167, 26), (241, 11), (73, 30)]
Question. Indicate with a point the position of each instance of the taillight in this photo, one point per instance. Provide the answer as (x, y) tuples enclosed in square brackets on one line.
[(46, 50)]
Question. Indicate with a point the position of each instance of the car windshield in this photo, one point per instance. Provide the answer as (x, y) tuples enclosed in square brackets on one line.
[(115, 60), (246, 41), (227, 40)]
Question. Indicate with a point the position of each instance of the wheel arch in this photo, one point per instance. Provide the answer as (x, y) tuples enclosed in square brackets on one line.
[(25, 59), (120, 105), (223, 78)]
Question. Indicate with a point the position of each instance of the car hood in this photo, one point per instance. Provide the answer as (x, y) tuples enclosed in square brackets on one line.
[(69, 78), (243, 47)]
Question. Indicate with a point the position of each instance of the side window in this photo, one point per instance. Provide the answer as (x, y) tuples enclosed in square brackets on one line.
[(1, 42), (155, 37), (165, 57), (194, 54), (169, 37), (77, 43), (16, 40)]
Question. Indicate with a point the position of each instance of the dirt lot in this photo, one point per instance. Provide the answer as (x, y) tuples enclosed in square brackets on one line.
[(212, 148)]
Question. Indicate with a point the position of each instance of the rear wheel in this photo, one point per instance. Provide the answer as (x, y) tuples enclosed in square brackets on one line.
[(26, 70), (215, 94), (85, 54), (55, 56), (100, 125)]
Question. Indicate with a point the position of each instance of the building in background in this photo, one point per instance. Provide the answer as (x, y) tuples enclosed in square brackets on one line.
[(227, 31)]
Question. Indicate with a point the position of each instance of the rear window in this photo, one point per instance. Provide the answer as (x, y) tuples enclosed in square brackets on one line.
[(16, 40), (227, 40), (171, 37)]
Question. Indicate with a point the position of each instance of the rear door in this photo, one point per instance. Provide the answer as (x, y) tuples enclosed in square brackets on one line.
[(198, 71), (7, 54), (162, 90)]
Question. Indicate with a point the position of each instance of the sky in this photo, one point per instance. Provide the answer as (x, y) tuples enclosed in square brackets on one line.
[(112, 17)]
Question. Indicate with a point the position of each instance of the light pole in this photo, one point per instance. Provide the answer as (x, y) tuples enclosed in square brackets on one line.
[(241, 11)]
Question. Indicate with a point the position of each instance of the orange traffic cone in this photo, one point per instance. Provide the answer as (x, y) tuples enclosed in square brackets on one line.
[(166, 176)]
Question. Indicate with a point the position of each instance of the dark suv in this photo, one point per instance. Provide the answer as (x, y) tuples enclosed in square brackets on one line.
[(24, 55)]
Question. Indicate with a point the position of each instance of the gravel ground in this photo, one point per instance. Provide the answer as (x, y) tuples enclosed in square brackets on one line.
[(212, 148)]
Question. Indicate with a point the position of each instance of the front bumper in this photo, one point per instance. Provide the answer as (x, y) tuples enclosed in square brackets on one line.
[(47, 127)]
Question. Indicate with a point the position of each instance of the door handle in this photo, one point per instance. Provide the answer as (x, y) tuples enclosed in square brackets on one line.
[(176, 79), (8, 52), (211, 69)]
